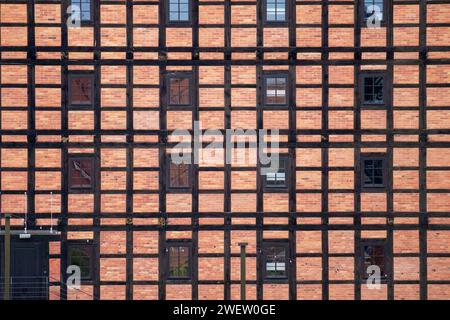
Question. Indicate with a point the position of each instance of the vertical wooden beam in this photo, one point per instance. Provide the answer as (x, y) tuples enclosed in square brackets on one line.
[(357, 152), (292, 152), (259, 126), (130, 164), (97, 144), (324, 151), (227, 164), (162, 140), (31, 92), (390, 152), (64, 151), (423, 143), (195, 166)]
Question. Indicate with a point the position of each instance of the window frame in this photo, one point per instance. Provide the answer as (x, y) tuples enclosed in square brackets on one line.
[(274, 74), (372, 73), (287, 171), (177, 22), (89, 22), (75, 156), (267, 243), (178, 189), (284, 22), (177, 75), (362, 13), (373, 242), (180, 243), (374, 156), (82, 74), (85, 244)]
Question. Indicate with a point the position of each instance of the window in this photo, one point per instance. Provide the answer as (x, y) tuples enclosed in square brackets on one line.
[(81, 90), (373, 254), (275, 89), (81, 255), (81, 172), (275, 258), (277, 178), (375, 9), (373, 173), (179, 11), (373, 88), (179, 260), (275, 10), (85, 9), (179, 176), (179, 90)]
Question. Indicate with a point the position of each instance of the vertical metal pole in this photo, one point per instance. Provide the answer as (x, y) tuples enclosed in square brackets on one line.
[(243, 273), (7, 273)]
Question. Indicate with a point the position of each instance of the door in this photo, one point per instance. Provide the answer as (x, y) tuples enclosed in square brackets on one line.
[(29, 265)]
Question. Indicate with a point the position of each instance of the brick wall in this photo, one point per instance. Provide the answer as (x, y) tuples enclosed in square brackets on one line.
[(324, 207)]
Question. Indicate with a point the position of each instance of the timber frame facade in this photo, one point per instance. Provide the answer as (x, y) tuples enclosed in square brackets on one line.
[(323, 218)]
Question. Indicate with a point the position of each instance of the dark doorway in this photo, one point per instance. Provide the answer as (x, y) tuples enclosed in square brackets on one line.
[(29, 270)]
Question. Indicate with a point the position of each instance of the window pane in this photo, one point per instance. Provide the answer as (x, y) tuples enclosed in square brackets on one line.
[(179, 10), (85, 16), (84, 7), (378, 180), (179, 175), (184, 16), (373, 173), (275, 10), (179, 91), (379, 5), (81, 257), (275, 261), (373, 89), (179, 261), (184, 7), (280, 15), (80, 90), (277, 178), (276, 90), (374, 255), (80, 172)]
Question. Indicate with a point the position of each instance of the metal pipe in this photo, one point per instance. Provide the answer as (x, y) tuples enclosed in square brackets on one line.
[(243, 271), (7, 273)]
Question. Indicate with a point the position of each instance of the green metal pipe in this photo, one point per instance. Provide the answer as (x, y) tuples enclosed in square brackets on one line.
[(7, 273), (243, 273)]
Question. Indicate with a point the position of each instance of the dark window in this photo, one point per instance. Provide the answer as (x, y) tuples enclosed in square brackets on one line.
[(179, 175), (85, 7), (275, 259), (373, 254), (180, 90), (81, 172), (277, 178), (373, 171), (275, 89), (276, 10), (374, 8), (373, 89), (81, 255), (179, 10), (81, 90), (179, 261)]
